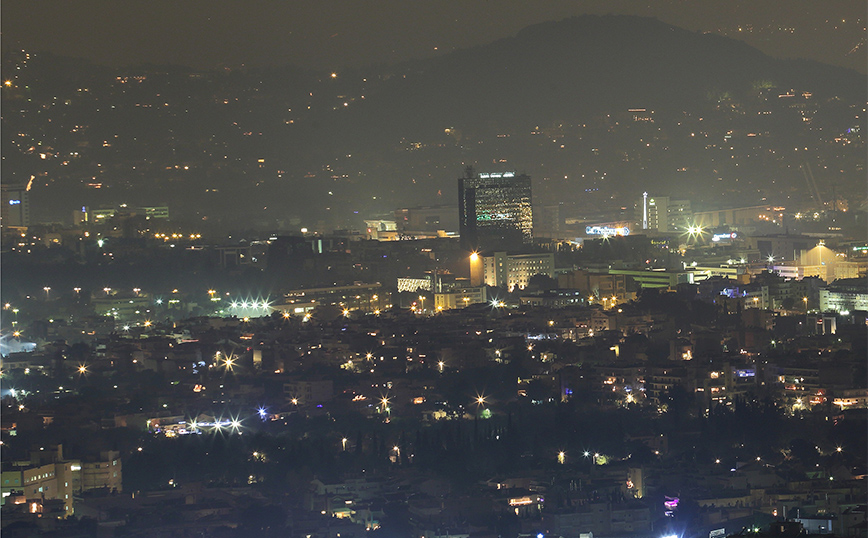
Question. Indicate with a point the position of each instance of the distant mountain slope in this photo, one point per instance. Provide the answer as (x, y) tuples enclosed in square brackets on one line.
[(582, 66), (288, 145)]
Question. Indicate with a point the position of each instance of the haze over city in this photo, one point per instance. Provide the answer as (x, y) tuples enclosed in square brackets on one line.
[(443, 269)]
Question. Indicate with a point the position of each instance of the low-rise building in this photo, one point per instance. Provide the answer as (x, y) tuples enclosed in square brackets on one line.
[(845, 295), (515, 270)]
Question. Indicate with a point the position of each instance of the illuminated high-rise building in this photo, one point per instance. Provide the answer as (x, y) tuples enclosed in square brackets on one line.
[(494, 210), (15, 201), (664, 214)]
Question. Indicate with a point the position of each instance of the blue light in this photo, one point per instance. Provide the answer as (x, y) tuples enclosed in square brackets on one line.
[(14, 202)]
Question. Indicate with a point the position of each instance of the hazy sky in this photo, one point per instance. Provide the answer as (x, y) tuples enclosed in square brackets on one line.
[(331, 34)]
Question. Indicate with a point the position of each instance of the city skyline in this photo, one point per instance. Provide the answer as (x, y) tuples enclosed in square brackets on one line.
[(449, 269)]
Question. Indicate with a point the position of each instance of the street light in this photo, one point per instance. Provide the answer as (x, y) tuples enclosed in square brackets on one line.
[(46, 289)]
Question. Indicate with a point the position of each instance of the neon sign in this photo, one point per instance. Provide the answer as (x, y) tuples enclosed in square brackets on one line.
[(496, 175), (606, 230), (722, 237)]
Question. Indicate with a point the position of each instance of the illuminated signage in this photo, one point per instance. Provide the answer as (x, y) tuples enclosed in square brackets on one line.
[(523, 501), (495, 175), (606, 230), (723, 237), (14, 202), (745, 373)]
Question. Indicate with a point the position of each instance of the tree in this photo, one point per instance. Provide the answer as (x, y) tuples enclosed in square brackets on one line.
[(541, 282)]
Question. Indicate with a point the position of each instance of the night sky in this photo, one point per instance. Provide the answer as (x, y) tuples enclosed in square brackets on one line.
[(332, 34)]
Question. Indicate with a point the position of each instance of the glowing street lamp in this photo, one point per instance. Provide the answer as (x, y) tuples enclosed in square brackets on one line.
[(562, 457), (694, 231), (344, 444), (47, 289)]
